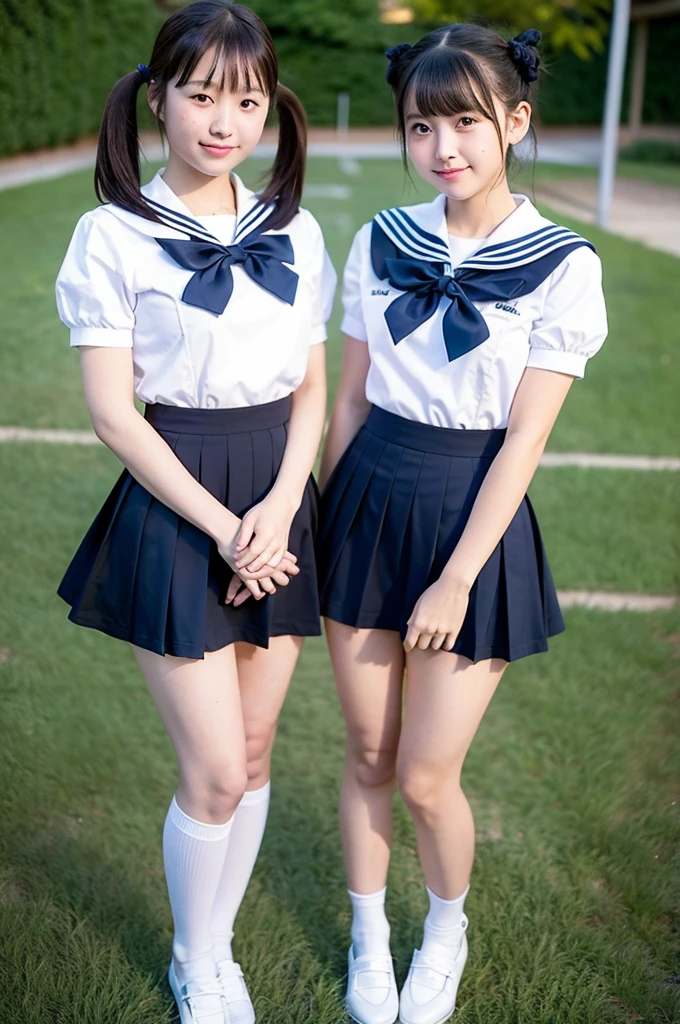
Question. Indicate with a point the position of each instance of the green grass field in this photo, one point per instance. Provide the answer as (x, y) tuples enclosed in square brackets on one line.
[(573, 777)]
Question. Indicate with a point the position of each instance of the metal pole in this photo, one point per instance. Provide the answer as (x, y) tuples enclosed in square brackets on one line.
[(612, 109), (342, 127), (637, 90)]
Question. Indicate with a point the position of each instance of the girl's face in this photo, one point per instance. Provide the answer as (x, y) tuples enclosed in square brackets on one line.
[(209, 128), (460, 155)]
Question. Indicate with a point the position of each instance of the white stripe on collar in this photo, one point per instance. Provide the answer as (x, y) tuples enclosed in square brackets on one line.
[(523, 250), (251, 213), (416, 241), (409, 237)]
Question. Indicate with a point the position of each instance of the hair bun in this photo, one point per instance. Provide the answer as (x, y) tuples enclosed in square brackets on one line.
[(524, 54), (395, 55)]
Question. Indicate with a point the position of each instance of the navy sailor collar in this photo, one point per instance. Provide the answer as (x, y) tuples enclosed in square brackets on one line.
[(420, 232), (177, 221), (410, 250), (267, 259)]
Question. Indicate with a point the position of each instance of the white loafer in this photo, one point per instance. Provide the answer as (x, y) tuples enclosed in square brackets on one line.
[(198, 1002), (429, 993), (239, 1005), (371, 989)]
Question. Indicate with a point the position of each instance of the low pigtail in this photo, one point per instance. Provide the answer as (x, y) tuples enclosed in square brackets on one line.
[(288, 172), (116, 176)]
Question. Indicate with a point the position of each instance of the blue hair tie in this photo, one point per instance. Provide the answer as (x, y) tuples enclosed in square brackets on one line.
[(524, 54), (395, 55), (144, 72)]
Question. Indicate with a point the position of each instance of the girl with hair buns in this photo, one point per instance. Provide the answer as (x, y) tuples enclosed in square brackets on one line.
[(208, 302), (467, 320)]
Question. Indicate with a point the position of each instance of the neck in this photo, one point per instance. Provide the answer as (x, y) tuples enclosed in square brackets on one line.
[(478, 216), (202, 194)]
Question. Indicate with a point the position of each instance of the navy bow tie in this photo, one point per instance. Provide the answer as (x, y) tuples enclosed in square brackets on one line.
[(261, 256), (425, 283)]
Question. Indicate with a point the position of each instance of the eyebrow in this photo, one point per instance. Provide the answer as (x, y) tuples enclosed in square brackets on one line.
[(212, 85)]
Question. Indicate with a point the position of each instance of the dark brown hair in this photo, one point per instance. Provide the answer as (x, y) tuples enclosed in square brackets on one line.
[(462, 68), (245, 49)]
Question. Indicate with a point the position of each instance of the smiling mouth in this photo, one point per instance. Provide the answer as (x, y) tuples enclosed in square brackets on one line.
[(222, 150), (451, 172)]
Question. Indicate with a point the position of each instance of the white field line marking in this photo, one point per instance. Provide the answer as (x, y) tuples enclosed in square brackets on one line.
[(348, 165), (328, 192), (48, 436), (603, 600), (609, 602), (549, 460), (588, 460)]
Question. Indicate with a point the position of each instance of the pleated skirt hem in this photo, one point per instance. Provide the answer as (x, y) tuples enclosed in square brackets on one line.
[(392, 513), (145, 575), (374, 621)]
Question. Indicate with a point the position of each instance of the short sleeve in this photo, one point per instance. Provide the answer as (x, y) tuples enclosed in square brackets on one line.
[(353, 322), (324, 281), (92, 297), (574, 322)]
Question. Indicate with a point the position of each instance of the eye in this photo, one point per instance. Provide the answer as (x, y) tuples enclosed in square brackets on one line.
[(467, 122), (251, 103), (201, 97), (419, 128)]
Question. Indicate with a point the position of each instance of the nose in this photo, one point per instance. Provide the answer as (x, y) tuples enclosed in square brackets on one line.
[(222, 125), (447, 144)]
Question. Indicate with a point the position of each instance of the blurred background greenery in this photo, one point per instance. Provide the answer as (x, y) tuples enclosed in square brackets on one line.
[(60, 57)]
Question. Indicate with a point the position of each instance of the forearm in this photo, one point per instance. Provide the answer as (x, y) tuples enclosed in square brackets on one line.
[(346, 420), (304, 434), (499, 497), (153, 463)]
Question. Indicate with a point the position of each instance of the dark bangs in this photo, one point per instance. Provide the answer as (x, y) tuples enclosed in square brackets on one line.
[(442, 82), (244, 59)]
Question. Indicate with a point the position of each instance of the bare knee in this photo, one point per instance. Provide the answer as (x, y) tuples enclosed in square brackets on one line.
[(427, 791), (211, 793), (372, 768), (259, 743)]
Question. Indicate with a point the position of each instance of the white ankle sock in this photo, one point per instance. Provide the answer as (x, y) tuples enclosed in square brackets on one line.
[(370, 927), (193, 854), (443, 933), (249, 820)]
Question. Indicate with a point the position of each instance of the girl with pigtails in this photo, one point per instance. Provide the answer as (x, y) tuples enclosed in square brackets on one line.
[(208, 303), (467, 320)]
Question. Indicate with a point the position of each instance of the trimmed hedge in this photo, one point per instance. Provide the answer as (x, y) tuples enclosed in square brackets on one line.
[(59, 59)]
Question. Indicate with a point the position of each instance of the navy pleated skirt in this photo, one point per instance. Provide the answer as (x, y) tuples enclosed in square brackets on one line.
[(393, 511), (146, 575)]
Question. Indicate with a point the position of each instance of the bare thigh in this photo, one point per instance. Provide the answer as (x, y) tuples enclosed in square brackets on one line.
[(369, 668), (264, 677), (446, 697), (200, 705)]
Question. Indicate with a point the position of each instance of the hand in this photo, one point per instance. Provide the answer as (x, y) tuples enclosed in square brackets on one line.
[(240, 590), (263, 537), (438, 616), (244, 583)]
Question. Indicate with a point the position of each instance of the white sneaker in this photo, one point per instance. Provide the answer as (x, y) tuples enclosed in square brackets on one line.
[(371, 989), (239, 1006), (429, 993), (198, 1002)]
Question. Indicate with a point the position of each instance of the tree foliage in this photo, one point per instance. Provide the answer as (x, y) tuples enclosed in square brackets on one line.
[(577, 25), (353, 23)]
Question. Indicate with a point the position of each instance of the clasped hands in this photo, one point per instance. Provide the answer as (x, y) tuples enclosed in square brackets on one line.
[(258, 553)]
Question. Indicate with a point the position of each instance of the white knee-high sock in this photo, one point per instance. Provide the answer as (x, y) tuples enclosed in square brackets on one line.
[(370, 927), (244, 845), (443, 933), (193, 854)]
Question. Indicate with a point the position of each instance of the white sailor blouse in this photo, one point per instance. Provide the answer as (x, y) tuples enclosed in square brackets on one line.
[(219, 312), (451, 324)]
